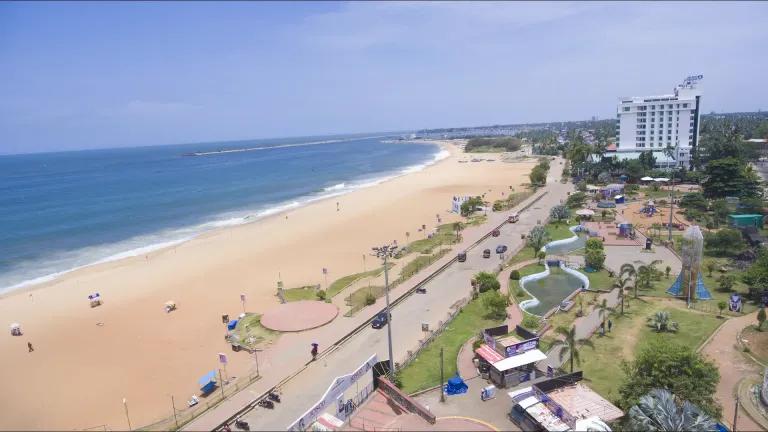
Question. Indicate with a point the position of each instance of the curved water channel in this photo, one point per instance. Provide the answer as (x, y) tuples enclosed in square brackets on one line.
[(550, 287)]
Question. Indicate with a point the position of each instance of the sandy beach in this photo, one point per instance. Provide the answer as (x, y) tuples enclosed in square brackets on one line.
[(85, 360)]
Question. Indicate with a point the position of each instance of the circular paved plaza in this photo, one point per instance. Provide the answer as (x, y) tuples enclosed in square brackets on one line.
[(299, 315)]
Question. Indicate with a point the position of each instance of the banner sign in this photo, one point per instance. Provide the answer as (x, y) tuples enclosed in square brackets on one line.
[(222, 358), (339, 386), (522, 347)]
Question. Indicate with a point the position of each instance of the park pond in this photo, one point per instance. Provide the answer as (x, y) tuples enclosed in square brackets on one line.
[(550, 288)]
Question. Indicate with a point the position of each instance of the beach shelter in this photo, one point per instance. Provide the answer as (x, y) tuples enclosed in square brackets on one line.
[(16, 329), (455, 386), (95, 299), (585, 212), (745, 220), (207, 382), (232, 324), (661, 179)]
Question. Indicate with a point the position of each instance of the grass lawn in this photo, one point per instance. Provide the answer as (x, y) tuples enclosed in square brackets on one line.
[(475, 220), (445, 235), (357, 299), (600, 280), (511, 200), (559, 231), (602, 366), (525, 254), (424, 371), (418, 263), (486, 149), (339, 284), (662, 193), (757, 342), (306, 292), (250, 333), (660, 288)]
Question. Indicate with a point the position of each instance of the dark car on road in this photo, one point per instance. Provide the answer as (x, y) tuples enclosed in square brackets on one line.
[(495, 233), (462, 256), (380, 320), (501, 249), (487, 253)]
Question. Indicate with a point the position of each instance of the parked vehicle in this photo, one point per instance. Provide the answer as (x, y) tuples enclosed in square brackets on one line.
[(487, 253), (495, 233), (462, 256), (501, 249), (514, 217), (380, 320)]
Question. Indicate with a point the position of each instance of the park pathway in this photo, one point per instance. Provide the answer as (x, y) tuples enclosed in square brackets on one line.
[(733, 365)]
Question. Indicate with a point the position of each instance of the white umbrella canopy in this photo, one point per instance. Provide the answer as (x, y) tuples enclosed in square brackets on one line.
[(646, 178), (592, 188), (661, 179), (585, 212)]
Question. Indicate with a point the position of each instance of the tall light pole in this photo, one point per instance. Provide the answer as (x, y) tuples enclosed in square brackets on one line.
[(385, 252), (125, 405)]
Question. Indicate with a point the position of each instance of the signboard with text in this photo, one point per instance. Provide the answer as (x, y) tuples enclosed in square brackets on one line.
[(522, 347)]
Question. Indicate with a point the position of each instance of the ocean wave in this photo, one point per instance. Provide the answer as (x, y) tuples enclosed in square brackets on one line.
[(335, 187), (57, 265), (278, 146)]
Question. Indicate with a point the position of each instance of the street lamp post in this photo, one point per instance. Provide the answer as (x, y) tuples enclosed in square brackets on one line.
[(125, 405), (385, 252)]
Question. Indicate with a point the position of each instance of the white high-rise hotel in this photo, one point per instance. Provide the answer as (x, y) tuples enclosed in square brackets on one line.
[(657, 123)]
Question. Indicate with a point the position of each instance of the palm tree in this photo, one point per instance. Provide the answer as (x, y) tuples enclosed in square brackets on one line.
[(603, 310), (622, 284), (661, 322), (568, 345), (646, 273), (458, 227), (658, 411)]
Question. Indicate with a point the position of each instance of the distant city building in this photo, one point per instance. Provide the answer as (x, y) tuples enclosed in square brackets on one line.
[(657, 123)]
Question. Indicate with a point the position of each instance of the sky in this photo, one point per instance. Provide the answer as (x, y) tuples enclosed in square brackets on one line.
[(102, 74)]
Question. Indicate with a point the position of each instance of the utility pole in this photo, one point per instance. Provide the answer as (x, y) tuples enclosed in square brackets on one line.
[(221, 385), (385, 252), (442, 391), (671, 206), (173, 404), (736, 413), (125, 405)]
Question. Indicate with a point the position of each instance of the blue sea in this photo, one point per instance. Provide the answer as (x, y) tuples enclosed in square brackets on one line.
[(62, 211)]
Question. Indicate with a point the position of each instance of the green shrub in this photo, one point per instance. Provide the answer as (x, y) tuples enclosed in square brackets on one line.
[(370, 299), (320, 294), (531, 322), (514, 275), (594, 243)]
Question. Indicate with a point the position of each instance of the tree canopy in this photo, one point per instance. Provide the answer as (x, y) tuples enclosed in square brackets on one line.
[(667, 365), (730, 177), (506, 143)]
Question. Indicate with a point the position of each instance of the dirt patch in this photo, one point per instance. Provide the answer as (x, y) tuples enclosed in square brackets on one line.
[(757, 342)]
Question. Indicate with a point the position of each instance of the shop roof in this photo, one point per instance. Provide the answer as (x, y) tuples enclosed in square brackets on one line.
[(525, 358)]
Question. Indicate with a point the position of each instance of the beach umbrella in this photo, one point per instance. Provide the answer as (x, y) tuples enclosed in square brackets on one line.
[(646, 178), (661, 179)]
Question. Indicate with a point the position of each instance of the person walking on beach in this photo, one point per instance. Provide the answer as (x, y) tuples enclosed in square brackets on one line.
[(29, 346)]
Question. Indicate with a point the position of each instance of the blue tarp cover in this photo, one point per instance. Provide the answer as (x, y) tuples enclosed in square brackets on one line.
[(455, 386), (207, 382), (231, 325)]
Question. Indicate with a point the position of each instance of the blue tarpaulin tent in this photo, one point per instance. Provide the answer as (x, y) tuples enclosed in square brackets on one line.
[(207, 382), (231, 325), (455, 386), (701, 291)]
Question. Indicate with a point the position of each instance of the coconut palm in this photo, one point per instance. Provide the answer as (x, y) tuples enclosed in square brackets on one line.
[(568, 345), (603, 310), (458, 227), (658, 411), (661, 322), (622, 284)]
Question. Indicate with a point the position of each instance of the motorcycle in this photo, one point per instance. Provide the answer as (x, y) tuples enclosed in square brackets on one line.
[(266, 403), (274, 397), (243, 425)]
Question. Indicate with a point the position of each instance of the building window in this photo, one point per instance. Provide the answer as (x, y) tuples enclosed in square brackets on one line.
[(669, 106), (685, 105), (625, 109)]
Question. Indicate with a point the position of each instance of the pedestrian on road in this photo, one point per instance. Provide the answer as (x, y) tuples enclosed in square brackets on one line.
[(610, 324), (314, 351), (29, 346)]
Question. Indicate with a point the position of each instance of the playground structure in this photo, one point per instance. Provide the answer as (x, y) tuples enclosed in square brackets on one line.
[(649, 209), (689, 282)]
